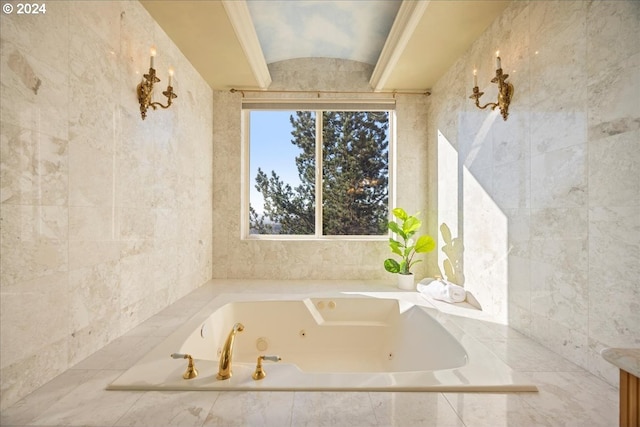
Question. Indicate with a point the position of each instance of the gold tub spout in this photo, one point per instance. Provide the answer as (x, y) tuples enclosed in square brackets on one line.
[(224, 368)]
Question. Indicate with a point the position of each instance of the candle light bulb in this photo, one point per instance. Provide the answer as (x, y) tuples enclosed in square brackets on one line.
[(170, 75), (475, 78), (152, 51), (498, 64)]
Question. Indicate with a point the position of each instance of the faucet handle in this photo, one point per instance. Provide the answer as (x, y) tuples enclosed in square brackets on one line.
[(259, 372), (191, 371), (179, 356)]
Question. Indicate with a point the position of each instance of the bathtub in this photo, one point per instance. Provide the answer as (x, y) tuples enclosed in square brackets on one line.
[(336, 341)]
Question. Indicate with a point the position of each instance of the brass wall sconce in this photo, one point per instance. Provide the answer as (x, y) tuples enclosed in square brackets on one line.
[(145, 89), (505, 90)]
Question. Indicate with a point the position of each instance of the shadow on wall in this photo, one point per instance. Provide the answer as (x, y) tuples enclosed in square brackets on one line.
[(454, 250), (478, 257)]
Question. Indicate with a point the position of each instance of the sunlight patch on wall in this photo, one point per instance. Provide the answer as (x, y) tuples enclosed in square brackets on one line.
[(466, 206)]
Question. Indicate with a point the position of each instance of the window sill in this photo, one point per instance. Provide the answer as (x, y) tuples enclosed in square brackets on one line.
[(290, 238)]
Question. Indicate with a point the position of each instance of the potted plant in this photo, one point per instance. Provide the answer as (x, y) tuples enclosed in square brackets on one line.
[(406, 247)]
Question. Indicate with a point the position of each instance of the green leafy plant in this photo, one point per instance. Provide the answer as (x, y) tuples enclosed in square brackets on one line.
[(406, 247)]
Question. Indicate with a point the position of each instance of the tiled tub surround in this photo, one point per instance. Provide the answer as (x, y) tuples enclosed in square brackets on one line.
[(568, 396), (336, 341), (105, 219)]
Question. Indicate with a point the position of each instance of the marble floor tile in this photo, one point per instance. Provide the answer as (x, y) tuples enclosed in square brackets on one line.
[(168, 409), (266, 409), (89, 404), (413, 409), (32, 405), (317, 409), (496, 410), (574, 399), (526, 356)]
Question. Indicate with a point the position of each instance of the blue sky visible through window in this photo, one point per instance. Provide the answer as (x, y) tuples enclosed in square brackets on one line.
[(271, 150)]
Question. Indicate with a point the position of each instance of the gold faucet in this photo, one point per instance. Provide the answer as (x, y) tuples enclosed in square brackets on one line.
[(224, 368)]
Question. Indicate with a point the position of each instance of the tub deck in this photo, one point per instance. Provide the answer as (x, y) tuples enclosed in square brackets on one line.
[(480, 370)]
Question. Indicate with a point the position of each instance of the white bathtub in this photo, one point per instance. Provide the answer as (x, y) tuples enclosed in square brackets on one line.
[(326, 342)]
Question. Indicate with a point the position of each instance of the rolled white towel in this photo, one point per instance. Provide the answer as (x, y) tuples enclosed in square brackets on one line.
[(442, 290)]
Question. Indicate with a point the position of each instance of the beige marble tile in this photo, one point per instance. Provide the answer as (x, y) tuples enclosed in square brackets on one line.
[(93, 223), (557, 32), (612, 31), (413, 409), (613, 99), (251, 409), (34, 167), (556, 130), (92, 336), (27, 34), (89, 404), (560, 178), (14, 384), (35, 403), (46, 326), (330, 408), (85, 253), (34, 242), (524, 355), (614, 162), (573, 399), (511, 185), (169, 409), (121, 353), (568, 342), (34, 93), (94, 294), (496, 410), (613, 236), (101, 20), (91, 176)]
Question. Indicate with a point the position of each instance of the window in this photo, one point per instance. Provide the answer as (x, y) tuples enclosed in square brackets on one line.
[(317, 171)]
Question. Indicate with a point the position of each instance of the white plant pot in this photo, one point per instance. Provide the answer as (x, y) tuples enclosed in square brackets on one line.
[(406, 282)]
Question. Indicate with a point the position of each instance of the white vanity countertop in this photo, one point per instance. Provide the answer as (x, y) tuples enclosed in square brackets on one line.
[(627, 359)]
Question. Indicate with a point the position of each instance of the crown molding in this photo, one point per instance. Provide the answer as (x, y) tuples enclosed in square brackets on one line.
[(240, 18), (409, 15)]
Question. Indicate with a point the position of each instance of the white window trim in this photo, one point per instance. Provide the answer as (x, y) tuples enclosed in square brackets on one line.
[(317, 106)]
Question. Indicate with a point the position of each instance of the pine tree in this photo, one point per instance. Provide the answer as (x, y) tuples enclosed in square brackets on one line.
[(355, 178)]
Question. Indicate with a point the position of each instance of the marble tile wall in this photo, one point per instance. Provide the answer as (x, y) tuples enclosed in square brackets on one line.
[(548, 202), (105, 218), (309, 259)]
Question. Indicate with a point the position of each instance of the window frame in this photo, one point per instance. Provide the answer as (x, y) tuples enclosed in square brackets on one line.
[(317, 106)]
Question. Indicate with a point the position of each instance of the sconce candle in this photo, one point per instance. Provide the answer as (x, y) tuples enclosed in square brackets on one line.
[(153, 55), (170, 75), (498, 63), (475, 78)]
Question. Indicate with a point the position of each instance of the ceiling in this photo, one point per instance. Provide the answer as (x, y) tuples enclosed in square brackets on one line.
[(409, 43)]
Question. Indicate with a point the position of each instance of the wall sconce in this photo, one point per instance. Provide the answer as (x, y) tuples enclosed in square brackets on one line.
[(145, 89), (505, 90)]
